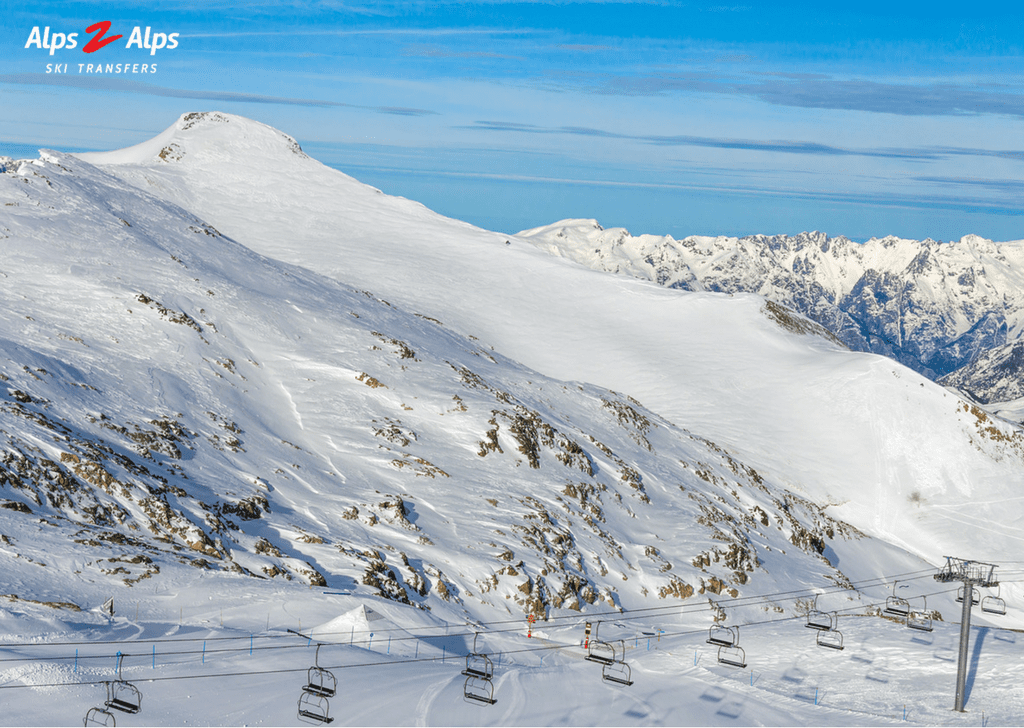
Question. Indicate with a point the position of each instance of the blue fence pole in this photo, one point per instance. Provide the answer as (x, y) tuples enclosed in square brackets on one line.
[(76, 659), (370, 645), (204, 652), (250, 644), (389, 644)]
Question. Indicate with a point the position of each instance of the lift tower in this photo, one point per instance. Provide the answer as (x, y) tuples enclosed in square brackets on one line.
[(972, 574)]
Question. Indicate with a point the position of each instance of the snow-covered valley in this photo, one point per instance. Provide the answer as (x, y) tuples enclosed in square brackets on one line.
[(244, 394)]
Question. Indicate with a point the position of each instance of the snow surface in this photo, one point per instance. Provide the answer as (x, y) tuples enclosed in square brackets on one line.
[(856, 431), (223, 361)]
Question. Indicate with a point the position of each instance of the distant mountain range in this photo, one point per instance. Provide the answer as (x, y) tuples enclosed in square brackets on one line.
[(938, 308)]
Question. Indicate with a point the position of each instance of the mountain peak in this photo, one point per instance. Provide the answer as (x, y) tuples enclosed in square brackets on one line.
[(206, 134)]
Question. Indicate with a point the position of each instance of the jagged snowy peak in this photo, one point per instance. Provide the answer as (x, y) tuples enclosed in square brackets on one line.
[(996, 376), (932, 306), (891, 450)]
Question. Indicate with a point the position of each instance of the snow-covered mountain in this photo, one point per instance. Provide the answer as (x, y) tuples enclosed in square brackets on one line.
[(230, 371), (932, 306)]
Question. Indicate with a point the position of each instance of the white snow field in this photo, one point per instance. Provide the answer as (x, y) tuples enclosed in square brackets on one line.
[(243, 394), (892, 453)]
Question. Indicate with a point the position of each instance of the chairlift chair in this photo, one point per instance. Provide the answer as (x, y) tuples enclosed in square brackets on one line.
[(99, 717), (320, 681), (732, 655), (994, 604), (817, 619), (821, 620), (723, 636), (598, 651), (617, 672), (478, 690), (314, 709), (920, 620), (478, 664), (975, 597), (121, 694), (831, 638), (897, 605)]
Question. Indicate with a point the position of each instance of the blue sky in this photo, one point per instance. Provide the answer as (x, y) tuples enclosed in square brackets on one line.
[(663, 117)]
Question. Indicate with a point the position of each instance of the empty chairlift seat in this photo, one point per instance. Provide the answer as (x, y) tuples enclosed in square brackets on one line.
[(478, 690), (975, 597), (831, 638), (618, 673), (723, 636), (314, 709), (123, 696), (320, 681), (598, 651), (895, 605), (99, 717), (478, 664), (920, 620), (994, 604), (732, 655)]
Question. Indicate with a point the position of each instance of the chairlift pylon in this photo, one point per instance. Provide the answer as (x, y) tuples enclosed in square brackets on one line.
[(99, 717), (994, 604), (314, 709), (320, 681)]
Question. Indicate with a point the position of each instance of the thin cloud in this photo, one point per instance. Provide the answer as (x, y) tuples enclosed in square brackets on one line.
[(785, 147), (102, 83), (823, 92), (958, 203)]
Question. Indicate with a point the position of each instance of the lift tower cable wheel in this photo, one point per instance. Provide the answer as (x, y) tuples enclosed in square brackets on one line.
[(972, 574)]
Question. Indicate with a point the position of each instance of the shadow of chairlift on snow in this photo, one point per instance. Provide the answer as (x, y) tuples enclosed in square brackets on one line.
[(731, 708)]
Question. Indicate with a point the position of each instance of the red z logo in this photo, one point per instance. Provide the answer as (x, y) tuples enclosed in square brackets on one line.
[(95, 43)]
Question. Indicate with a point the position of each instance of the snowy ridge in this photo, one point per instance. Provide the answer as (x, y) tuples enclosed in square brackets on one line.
[(932, 306), (175, 389), (243, 392)]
